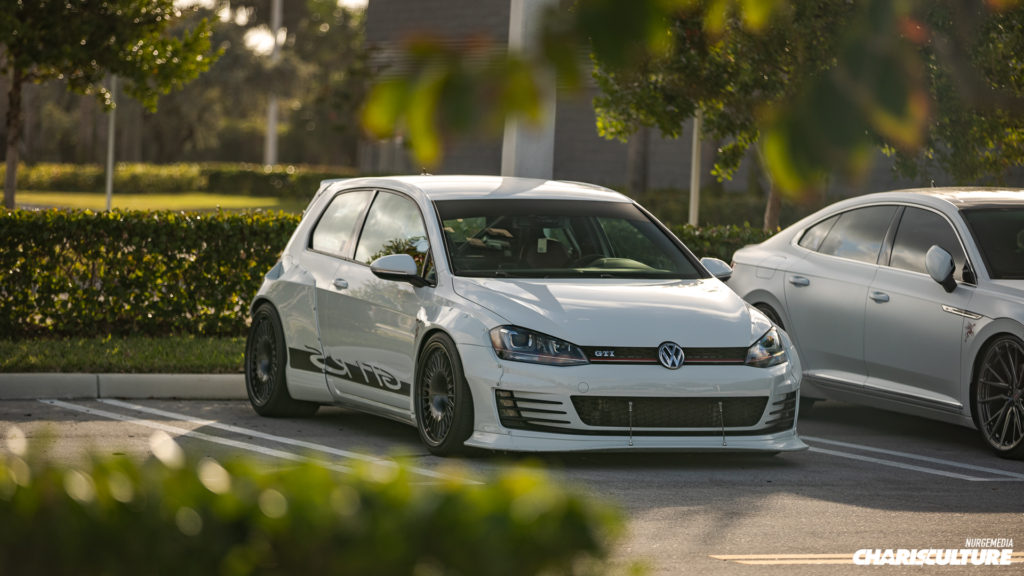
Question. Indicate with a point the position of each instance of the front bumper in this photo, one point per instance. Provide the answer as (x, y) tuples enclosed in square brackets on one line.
[(533, 408)]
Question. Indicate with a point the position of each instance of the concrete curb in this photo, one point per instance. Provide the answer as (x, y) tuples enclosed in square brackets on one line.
[(130, 386)]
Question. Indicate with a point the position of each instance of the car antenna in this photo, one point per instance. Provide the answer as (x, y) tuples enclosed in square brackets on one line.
[(423, 172)]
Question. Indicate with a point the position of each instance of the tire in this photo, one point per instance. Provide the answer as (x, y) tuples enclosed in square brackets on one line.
[(443, 403), (265, 363), (998, 396)]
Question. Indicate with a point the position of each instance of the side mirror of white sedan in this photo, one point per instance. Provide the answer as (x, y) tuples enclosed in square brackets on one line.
[(398, 267), (718, 268), (940, 267)]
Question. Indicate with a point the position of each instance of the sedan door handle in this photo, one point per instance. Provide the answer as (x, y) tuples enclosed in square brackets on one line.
[(799, 281), (879, 296), (340, 283)]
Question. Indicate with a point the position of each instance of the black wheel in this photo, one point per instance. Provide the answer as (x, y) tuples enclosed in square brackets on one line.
[(771, 314), (999, 396), (444, 406), (265, 362)]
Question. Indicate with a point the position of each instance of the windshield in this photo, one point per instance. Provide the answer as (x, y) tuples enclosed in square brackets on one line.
[(558, 239), (999, 234)]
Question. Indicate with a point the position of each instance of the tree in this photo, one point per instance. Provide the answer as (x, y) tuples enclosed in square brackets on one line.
[(733, 74), (81, 41), (875, 94), (977, 125), (324, 124)]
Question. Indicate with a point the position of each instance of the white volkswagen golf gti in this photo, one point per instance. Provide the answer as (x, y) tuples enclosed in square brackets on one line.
[(515, 314)]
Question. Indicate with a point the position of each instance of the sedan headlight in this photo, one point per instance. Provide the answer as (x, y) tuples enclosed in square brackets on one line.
[(768, 351), (522, 345)]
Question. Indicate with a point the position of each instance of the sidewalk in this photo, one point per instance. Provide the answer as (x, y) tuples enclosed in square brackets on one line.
[(135, 386)]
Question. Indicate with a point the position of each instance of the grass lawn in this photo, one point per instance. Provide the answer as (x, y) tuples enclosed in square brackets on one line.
[(170, 355), (182, 201)]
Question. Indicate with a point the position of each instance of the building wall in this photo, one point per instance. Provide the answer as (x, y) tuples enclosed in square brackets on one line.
[(580, 154)]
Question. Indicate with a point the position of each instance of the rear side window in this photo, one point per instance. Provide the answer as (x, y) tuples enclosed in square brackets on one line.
[(858, 234), (336, 229), (920, 230)]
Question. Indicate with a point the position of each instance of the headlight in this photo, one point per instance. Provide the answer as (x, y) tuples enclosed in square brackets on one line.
[(522, 345), (768, 351)]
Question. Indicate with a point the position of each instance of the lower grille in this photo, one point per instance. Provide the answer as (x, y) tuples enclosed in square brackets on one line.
[(528, 413), (782, 412), (620, 412)]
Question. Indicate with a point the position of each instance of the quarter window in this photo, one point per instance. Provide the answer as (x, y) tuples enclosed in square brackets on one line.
[(920, 230), (815, 234), (858, 234), (393, 226), (337, 226)]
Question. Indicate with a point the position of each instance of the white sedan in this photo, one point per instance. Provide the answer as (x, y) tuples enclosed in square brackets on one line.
[(911, 301), (515, 314)]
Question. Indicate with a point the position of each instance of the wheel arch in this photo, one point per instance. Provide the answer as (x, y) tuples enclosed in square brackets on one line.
[(259, 301), (766, 298), (424, 338), (975, 359)]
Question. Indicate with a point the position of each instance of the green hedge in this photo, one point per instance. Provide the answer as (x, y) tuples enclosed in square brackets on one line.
[(720, 207), (719, 241), (71, 273), (85, 274), (231, 179), (117, 516)]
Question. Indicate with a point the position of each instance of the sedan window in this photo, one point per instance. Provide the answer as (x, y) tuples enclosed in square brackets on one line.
[(393, 226), (815, 234), (858, 234), (999, 233), (920, 230), (337, 226)]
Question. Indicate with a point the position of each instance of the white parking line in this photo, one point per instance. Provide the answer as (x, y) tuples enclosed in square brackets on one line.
[(940, 461), (248, 432), (192, 433), (894, 464)]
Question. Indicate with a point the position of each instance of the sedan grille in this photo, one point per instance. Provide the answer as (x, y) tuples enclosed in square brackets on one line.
[(624, 412)]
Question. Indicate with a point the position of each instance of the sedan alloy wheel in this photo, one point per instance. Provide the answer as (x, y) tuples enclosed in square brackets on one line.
[(999, 396)]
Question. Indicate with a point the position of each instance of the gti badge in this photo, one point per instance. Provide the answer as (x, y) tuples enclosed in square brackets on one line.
[(604, 353), (671, 355)]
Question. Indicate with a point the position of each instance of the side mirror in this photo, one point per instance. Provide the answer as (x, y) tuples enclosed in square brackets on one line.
[(940, 267), (397, 267), (718, 268)]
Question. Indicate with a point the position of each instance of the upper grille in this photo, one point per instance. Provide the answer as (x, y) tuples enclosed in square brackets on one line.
[(638, 355), (624, 412)]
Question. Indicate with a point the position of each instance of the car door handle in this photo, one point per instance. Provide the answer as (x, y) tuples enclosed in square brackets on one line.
[(799, 281), (340, 283), (879, 296)]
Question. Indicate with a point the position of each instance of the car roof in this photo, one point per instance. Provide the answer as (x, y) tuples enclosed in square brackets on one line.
[(482, 187), (960, 197)]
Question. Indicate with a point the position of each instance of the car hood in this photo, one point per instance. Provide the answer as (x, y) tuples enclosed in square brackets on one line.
[(601, 312)]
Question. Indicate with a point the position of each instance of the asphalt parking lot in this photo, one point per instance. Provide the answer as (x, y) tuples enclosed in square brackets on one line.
[(871, 480)]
